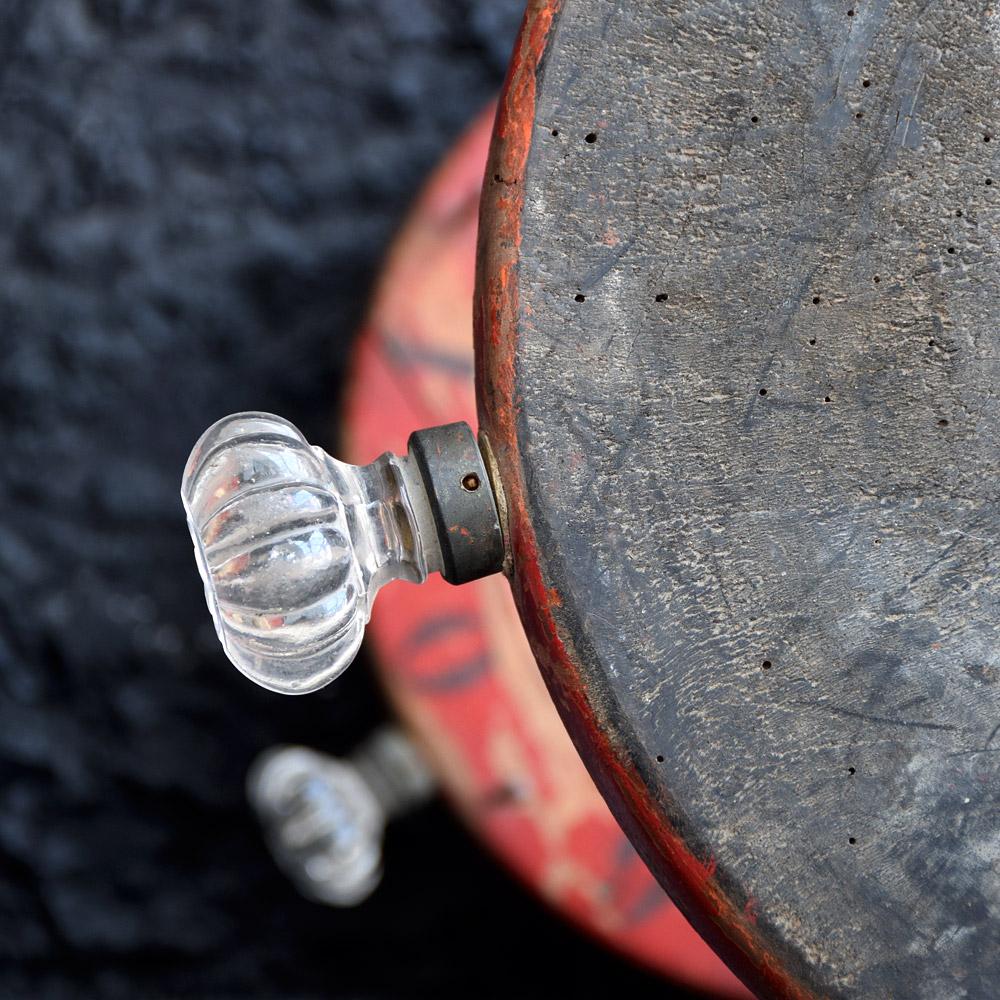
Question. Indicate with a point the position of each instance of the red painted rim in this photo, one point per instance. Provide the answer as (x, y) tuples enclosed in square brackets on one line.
[(499, 325)]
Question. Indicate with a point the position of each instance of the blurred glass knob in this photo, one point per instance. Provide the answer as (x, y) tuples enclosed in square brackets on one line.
[(293, 545), (324, 818)]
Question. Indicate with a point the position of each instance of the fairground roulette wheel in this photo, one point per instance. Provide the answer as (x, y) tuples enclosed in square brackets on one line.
[(735, 320)]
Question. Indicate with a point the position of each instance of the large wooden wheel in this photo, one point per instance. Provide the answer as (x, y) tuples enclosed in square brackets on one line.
[(737, 326)]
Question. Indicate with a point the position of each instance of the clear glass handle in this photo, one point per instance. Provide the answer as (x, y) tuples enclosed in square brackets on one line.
[(324, 817), (293, 546)]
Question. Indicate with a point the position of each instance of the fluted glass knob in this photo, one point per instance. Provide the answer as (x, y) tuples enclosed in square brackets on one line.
[(293, 545), (324, 817), (323, 823)]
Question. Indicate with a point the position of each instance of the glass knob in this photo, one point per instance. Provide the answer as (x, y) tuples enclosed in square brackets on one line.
[(322, 821), (324, 817), (293, 545)]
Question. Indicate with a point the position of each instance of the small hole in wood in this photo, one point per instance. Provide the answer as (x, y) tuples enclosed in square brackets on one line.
[(827, 399), (470, 483), (763, 392), (958, 213), (876, 279), (850, 770), (812, 341), (951, 249), (579, 297), (754, 119), (555, 131), (659, 758), (766, 665), (590, 137), (852, 840), (816, 300), (878, 541), (860, 114), (986, 138), (942, 422), (866, 83), (989, 181), (850, 13), (662, 297)]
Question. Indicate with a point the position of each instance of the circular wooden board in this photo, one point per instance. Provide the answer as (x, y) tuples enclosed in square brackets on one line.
[(737, 333)]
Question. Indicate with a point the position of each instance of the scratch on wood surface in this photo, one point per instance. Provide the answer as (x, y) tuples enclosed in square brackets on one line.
[(913, 105), (881, 719)]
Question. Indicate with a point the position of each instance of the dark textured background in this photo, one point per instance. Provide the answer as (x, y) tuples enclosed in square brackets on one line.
[(195, 197)]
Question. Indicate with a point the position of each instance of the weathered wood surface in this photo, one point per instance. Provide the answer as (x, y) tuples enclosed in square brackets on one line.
[(738, 356)]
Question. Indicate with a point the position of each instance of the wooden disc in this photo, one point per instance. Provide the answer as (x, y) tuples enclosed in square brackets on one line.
[(737, 318)]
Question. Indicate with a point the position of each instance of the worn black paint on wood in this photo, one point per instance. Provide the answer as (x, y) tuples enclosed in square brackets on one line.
[(757, 379)]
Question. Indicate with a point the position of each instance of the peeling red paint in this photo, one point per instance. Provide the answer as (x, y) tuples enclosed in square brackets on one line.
[(709, 866)]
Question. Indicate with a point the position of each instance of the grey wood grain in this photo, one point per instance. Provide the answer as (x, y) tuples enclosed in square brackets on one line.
[(758, 370)]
